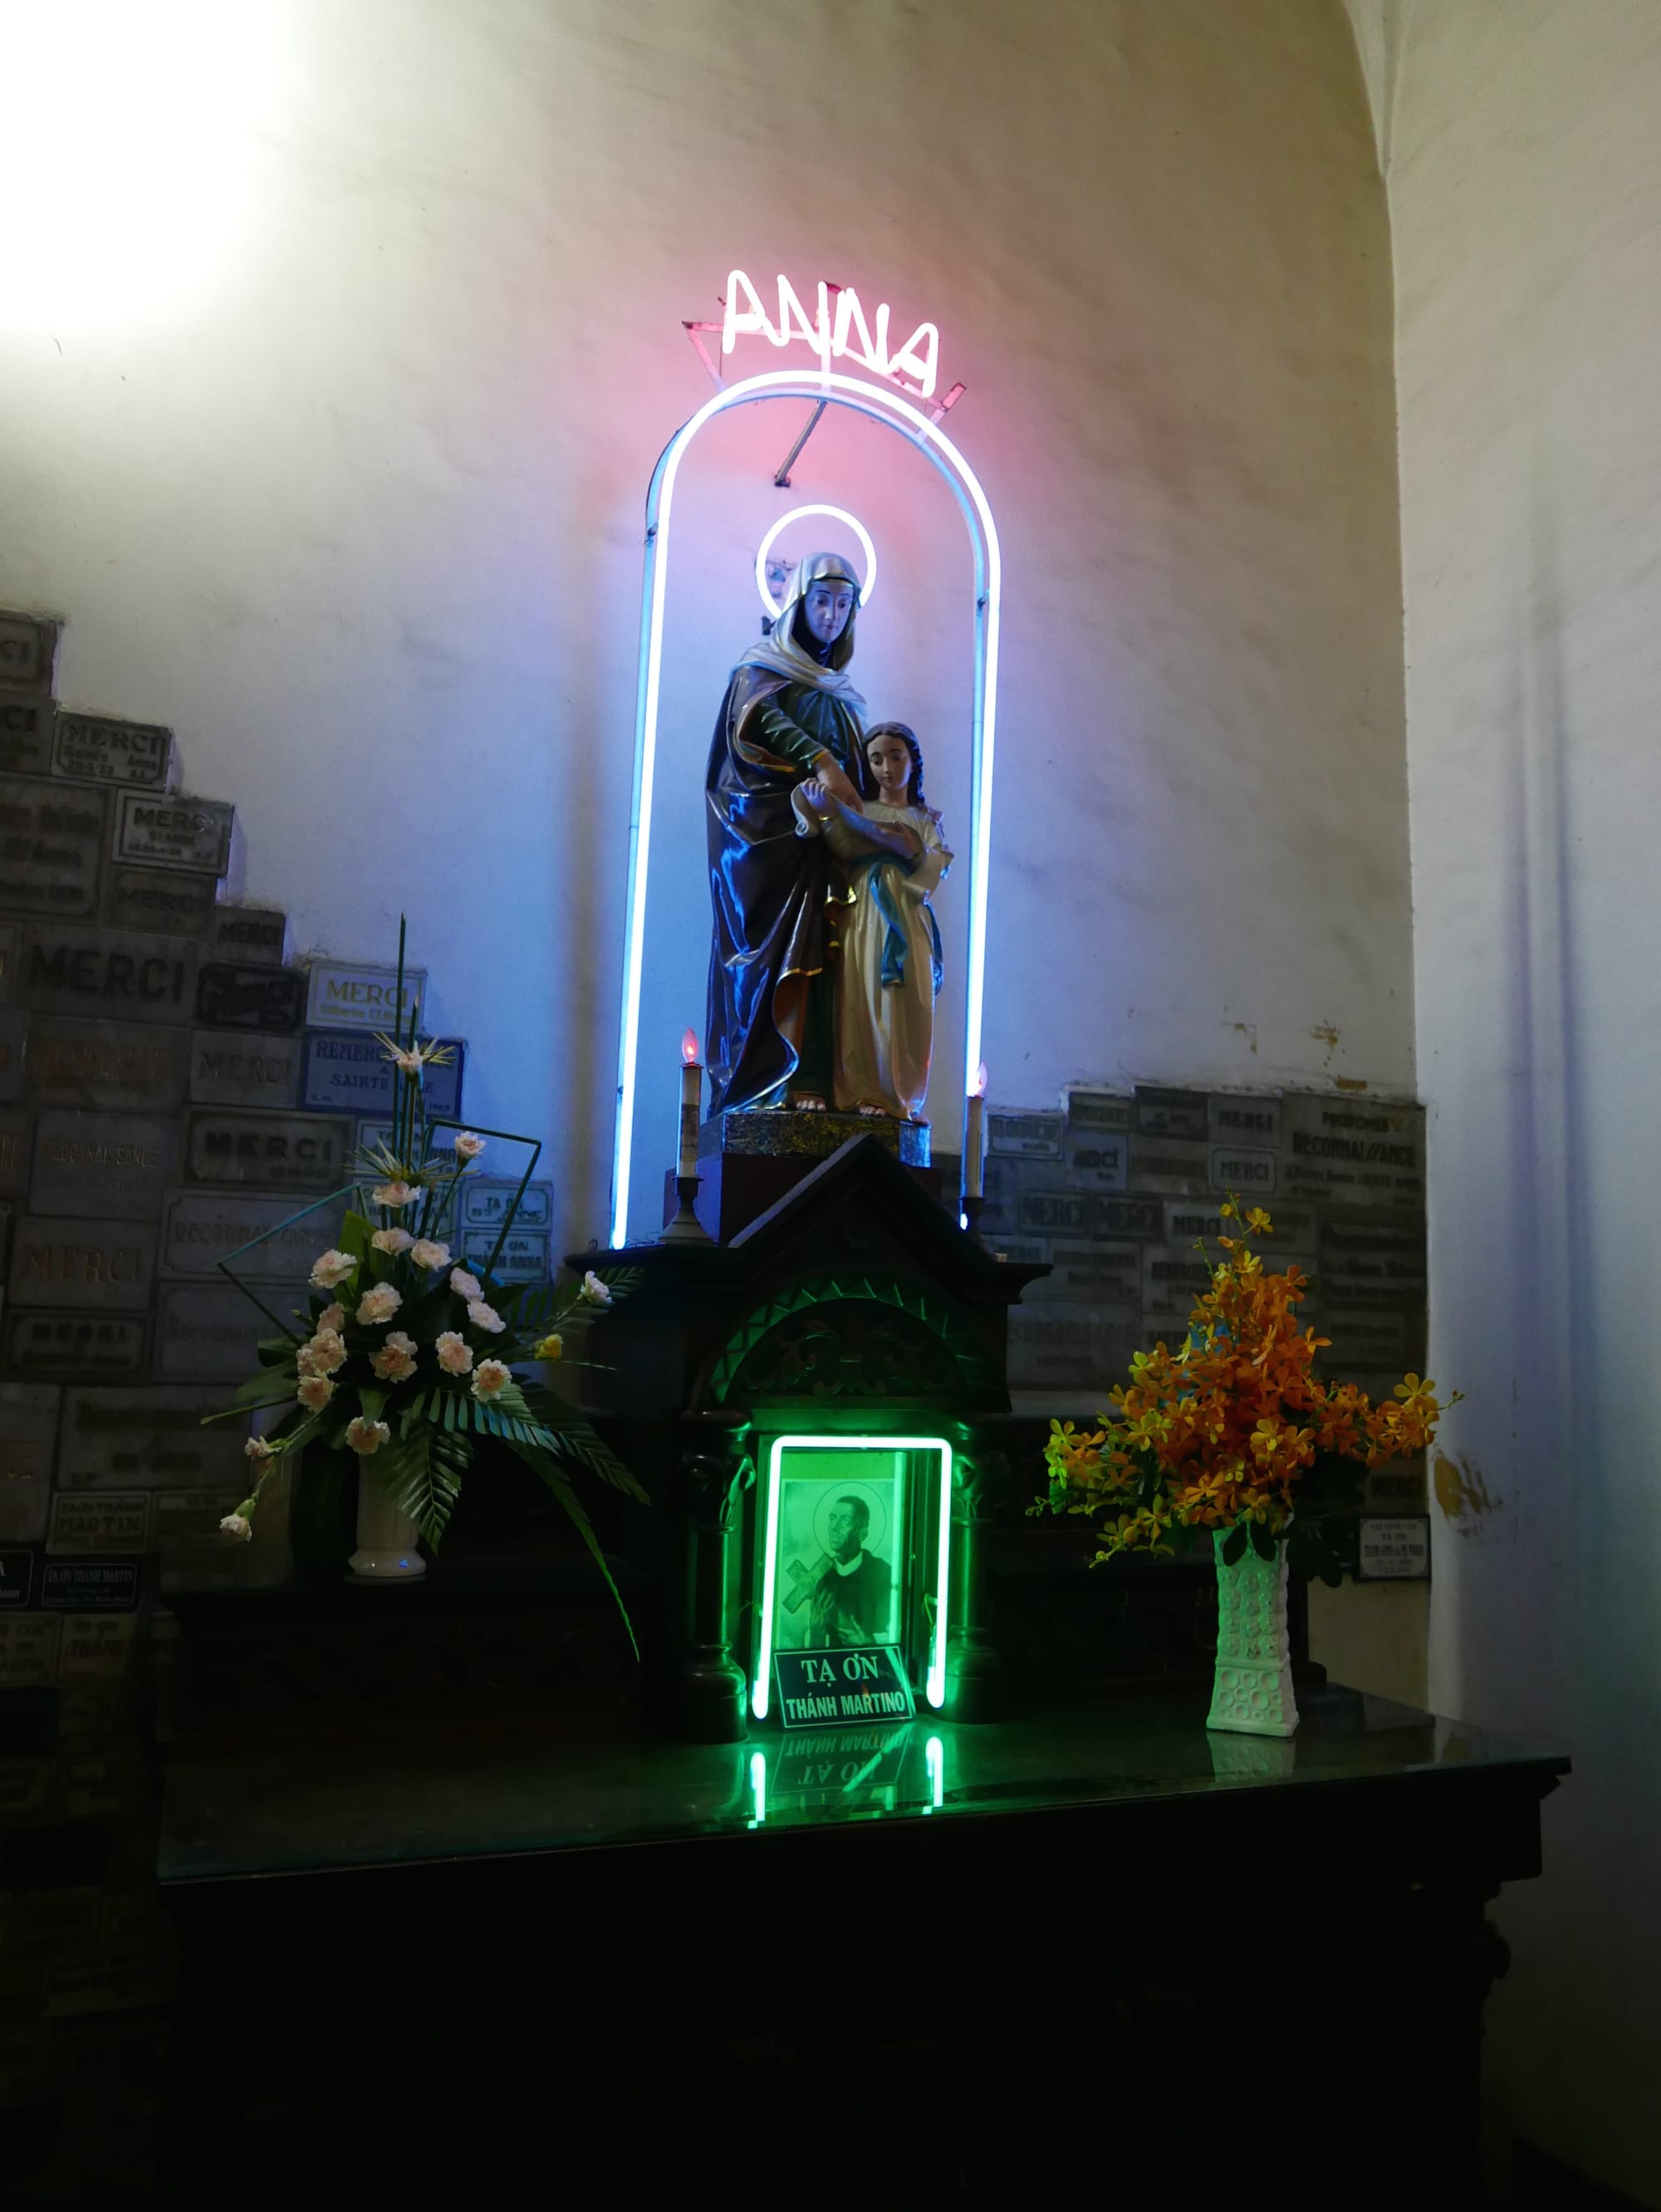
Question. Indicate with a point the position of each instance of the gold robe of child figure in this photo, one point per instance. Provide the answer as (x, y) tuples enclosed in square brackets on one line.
[(889, 973)]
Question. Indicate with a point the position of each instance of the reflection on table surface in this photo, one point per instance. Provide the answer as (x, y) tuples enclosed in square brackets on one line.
[(466, 1790)]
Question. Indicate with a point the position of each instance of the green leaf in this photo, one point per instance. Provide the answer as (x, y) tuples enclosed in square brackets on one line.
[(1263, 1540), (422, 1474), (544, 1468), (356, 1235), (1234, 1545)]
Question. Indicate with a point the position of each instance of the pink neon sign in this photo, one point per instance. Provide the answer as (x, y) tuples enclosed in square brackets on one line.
[(839, 332)]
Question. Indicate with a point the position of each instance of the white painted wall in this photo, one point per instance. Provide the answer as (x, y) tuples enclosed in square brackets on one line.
[(328, 419), (1525, 189)]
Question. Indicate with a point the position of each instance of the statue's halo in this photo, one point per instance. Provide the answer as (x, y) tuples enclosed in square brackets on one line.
[(798, 514)]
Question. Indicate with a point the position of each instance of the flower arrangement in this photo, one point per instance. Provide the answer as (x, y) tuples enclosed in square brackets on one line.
[(1232, 1430), (408, 1359)]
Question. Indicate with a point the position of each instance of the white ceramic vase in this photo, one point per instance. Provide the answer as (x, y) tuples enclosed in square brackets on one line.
[(1251, 1691), (387, 1539)]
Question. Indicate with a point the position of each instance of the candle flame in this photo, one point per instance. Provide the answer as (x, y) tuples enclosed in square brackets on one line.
[(690, 1048), (978, 1088)]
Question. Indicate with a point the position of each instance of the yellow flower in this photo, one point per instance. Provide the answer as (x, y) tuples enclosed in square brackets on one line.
[(551, 1345), (1258, 1224)]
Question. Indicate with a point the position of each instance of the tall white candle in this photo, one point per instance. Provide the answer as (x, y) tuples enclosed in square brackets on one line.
[(692, 1100), (974, 1139)]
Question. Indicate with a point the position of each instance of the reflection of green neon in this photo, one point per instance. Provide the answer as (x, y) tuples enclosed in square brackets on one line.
[(935, 1689), (758, 1786), (934, 1757)]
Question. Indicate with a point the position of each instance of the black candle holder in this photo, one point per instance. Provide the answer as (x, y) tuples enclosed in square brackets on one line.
[(686, 1228), (972, 1206)]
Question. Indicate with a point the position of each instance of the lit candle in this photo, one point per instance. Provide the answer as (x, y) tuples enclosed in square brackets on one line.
[(692, 1101), (974, 1142)]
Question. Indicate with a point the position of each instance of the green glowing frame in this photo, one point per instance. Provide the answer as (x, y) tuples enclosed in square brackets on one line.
[(934, 1681)]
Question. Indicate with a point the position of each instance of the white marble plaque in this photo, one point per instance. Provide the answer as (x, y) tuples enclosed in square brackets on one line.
[(24, 733), (152, 831), (28, 1650), (97, 749), (148, 1438), (26, 649), (114, 1167), (117, 1067), (51, 848), (208, 1332), (112, 975), (29, 1444), (58, 1260), (201, 1227), (1352, 1152), (346, 995), (229, 1068), (268, 1152), (88, 1521)]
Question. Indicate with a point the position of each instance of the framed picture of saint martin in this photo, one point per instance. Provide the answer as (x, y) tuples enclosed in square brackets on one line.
[(853, 1554)]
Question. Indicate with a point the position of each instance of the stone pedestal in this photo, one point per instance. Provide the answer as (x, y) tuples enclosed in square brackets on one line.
[(749, 1160)]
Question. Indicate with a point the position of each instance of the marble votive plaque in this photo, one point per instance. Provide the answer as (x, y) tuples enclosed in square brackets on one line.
[(267, 1151), (173, 832), (1184, 1113), (28, 646), (484, 1200), (113, 1166), (14, 1045), (201, 1227), (148, 1438), (1244, 1169), (15, 1155), (28, 1432), (244, 996), (92, 1521), (346, 995), (24, 733), (51, 848), (208, 1332), (121, 1067), (117, 974), (231, 1070), (73, 1347), (250, 935), (157, 898), (525, 1256), (353, 1075), (100, 749), (60, 1261)]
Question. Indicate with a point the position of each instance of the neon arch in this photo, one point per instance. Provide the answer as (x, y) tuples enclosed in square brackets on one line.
[(879, 404)]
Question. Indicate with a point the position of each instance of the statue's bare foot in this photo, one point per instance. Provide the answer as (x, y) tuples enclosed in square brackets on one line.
[(874, 1113), (807, 1102)]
